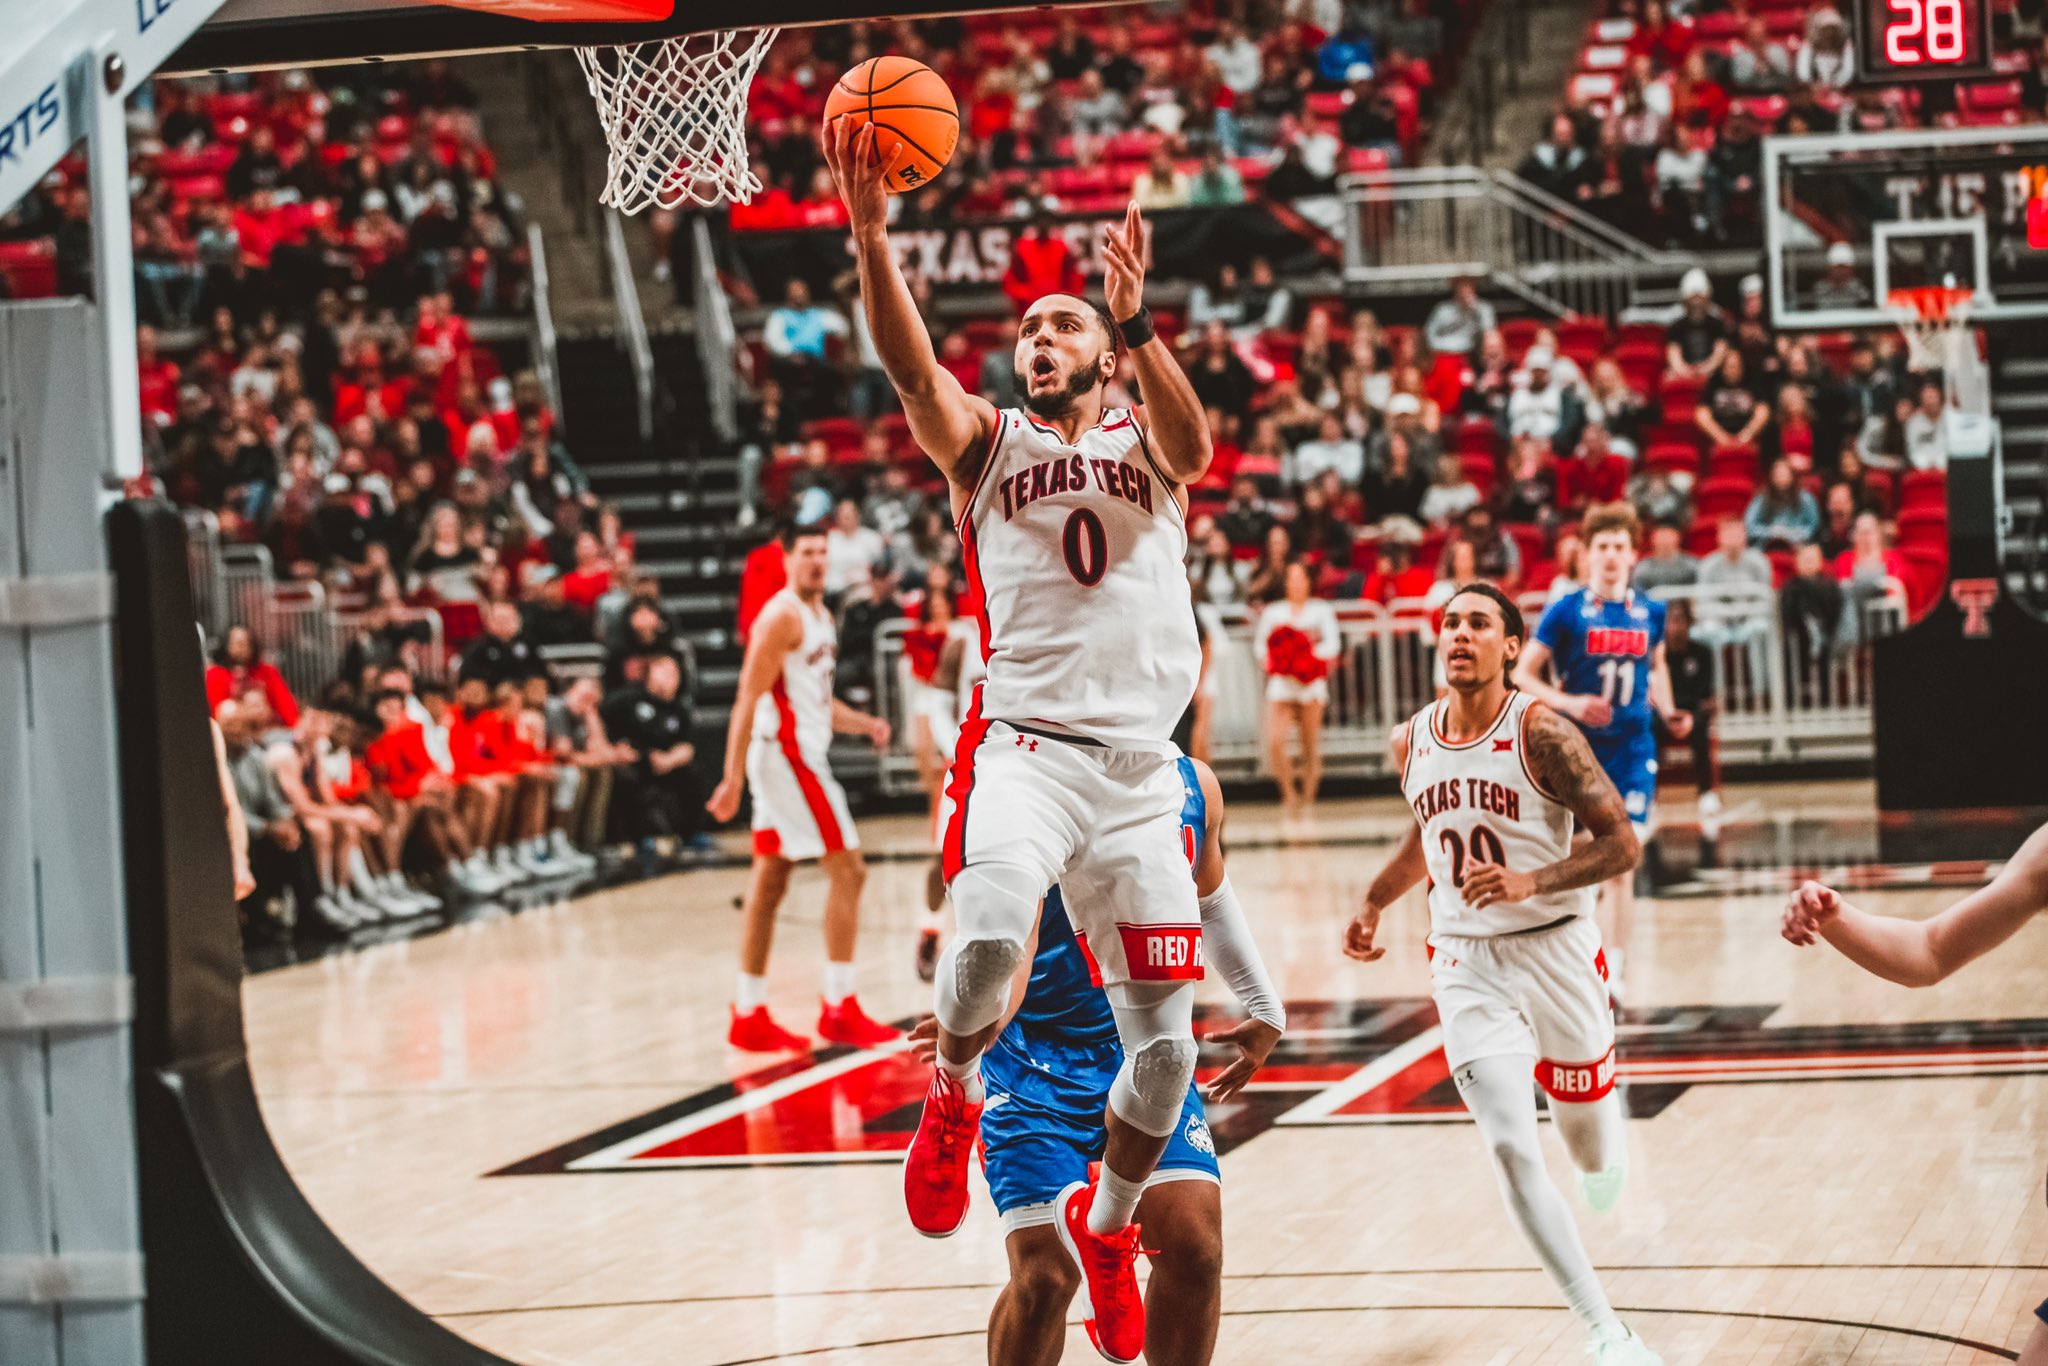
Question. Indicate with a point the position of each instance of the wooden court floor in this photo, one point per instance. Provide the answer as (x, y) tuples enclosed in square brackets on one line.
[(532, 1128)]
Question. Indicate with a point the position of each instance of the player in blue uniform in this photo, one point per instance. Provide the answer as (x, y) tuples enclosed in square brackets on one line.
[(1598, 657), (1048, 1077)]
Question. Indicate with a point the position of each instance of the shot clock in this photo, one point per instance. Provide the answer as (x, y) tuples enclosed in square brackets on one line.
[(1905, 40)]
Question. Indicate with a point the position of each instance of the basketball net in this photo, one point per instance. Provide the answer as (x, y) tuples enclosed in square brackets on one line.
[(1935, 320), (675, 118)]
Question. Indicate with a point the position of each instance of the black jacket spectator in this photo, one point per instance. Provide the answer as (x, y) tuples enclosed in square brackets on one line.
[(643, 635), (654, 718), (502, 654)]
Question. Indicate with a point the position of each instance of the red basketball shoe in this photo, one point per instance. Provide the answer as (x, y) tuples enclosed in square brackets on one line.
[(1111, 1308), (935, 1168), (847, 1023), (756, 1032)]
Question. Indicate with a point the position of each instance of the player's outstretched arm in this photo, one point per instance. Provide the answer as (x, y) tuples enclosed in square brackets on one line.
[(1228, 946), (1172, 413), (950, 424), (1564, 766), (776, 632), (853, 721), (1405, 869), (1919, 953)]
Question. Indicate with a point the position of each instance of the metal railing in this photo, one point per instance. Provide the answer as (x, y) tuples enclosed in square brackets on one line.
[(718, 339), (1421, 225), (304, 629), (543, 320), (203, 557), (632, 322), (1772, 707)]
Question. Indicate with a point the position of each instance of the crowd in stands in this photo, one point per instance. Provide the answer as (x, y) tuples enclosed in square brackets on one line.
[(1083, 111), (317, 250), (1391, 463), (259, 192), (1667, 112)]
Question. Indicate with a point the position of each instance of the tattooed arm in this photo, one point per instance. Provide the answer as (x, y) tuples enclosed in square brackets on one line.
[(1564, 767)]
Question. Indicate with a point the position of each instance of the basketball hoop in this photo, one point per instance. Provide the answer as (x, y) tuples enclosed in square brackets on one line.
[(675, 117), (1931, 316)]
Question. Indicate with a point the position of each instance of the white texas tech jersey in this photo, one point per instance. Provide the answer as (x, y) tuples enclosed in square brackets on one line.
[(1078, 554), (1480, 801), (800, 703)]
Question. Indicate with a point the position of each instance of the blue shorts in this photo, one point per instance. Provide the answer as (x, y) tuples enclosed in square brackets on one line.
[(1630, 762), (1042, 1125)]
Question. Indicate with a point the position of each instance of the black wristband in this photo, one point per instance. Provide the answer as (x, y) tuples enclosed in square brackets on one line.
[(1138, 329)]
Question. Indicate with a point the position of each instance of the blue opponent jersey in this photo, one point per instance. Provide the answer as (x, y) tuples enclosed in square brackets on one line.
[(1604, 648), (1063, 1005)]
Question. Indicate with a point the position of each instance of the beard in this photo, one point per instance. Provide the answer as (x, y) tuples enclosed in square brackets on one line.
[(1060, 401)]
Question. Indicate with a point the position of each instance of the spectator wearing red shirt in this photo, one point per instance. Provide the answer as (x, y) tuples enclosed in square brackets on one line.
[(1041, 263), (1594, 474), (591, 579), (420, 796), (762, 576), (240, 667), (159, 379)]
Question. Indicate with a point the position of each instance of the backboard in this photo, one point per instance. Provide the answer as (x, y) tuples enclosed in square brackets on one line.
[(256, 34), (1961, 207)]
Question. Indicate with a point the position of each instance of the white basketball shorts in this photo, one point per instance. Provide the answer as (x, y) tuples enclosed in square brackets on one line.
[(1281, 688), (1543, 994), (800, 810), (1103, 824)]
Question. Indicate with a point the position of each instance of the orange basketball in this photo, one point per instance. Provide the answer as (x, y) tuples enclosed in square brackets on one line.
[(909, 103)]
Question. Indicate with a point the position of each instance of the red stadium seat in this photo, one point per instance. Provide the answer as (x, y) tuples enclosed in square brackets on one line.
[(1676, 457), (1480, 469), (1477, 437), (1582, 332), (1328, 104), (1920, 489), (1718, 498), (1529, 539), (1701, 537), (1991, 96), (1781, 566), (1925, 527), (1519, 333), (1734, 462), (1882, 487)]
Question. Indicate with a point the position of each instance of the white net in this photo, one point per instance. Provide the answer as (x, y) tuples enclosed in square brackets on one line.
[(675, 115), (1939, 338)]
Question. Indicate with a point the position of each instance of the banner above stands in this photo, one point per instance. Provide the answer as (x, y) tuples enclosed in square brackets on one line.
[(970, 257)]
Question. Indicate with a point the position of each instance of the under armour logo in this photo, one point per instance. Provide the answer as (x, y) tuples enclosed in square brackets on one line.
[(1028, 743), (1975, 597), (1504, 746)]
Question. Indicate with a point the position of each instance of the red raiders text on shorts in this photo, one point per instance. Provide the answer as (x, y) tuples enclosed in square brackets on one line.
[(1162, 953)]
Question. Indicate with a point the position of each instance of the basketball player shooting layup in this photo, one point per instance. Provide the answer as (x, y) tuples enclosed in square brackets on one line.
[(1072, 523), (1919, 953), (1605, 645), (782, 724), (1496, 780), (1049, 1075)]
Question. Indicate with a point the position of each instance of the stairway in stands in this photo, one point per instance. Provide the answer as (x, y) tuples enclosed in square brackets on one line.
[(2019, 398), (678, 495)]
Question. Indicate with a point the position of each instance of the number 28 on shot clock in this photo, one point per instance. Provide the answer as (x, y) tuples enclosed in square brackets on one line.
[(1925, 39)]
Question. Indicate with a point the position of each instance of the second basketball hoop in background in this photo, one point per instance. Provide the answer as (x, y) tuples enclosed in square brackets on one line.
[(909, 103)]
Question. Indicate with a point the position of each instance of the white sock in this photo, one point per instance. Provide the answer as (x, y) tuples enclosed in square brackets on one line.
[(838, 982), (967, 1074), (752, 993), (1115, 1201), (1589, 1303)]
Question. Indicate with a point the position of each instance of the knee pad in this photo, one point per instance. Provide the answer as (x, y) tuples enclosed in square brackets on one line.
[(994, 906), (1155, 1021), (1151, 1088)]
